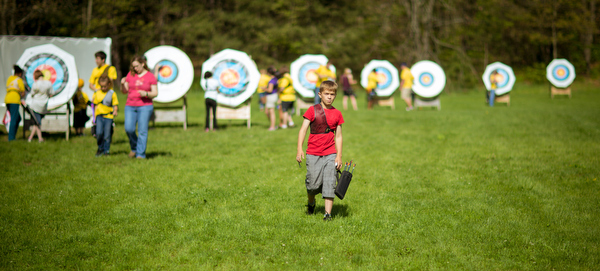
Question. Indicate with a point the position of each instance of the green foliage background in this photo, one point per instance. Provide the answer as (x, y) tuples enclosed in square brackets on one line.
[(463, 36)]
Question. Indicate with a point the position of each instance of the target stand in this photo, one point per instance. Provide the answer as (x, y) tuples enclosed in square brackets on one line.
[(419, 103), (242, 112), (171, 112), (55, 121), (503, 99), (386, 101), (302, 104), (560, 91)]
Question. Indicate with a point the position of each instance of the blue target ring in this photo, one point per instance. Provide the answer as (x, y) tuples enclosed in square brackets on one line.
[(308, 77), (388, 78), (505, 78), (233, 77), (53, 68), (167, 71), (426, 79), (560, 72)]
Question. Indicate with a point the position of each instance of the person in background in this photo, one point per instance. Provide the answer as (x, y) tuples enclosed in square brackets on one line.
[(41, 91), (140, 85), (15, 91), (101, 69), (287, 96), (406, 82), (263, 84), (106, 110), (494, 82), (347, 82), (80, 104), (372, 81), (324, 73), (272, 98), (211, 90)]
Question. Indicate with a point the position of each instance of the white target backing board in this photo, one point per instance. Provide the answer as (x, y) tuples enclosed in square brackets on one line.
[(236, 73), (387, 74), (560, 73), (430, 78), (58, 67), (174, 71), (506, 77), (304, 77)]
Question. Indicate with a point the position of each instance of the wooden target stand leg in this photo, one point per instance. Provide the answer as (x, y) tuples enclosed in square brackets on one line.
[(382, 101), (171, 112), (301, 104), (428, 103), (57, 120), (503, 99), (560, 91), (242, 112)]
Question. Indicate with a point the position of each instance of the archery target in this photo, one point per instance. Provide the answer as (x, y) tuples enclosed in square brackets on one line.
[(173, 70), (57, 66), (388, 79), (236, 73), (561, 73), (506, 77), (304, 77), (430, 78)]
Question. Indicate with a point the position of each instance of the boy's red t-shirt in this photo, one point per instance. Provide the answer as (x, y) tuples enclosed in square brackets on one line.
[(323, 144)]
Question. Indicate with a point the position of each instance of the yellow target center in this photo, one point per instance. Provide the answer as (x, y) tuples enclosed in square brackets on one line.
[(47, 74), (166, 71), (561, 72)]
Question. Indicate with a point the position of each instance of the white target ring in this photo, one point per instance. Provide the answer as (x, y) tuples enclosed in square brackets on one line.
[(236, 73), (174, 72), (304, 77), (58, 67), (387, 74), (430, 78), (560, 73), (506, 77)]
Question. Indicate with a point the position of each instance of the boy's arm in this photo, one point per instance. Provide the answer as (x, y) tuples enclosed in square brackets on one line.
[(301, 136), (338, 146), (115, 111)]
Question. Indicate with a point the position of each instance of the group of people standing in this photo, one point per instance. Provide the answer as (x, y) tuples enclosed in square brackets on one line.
[(140, 85), (275, 91)]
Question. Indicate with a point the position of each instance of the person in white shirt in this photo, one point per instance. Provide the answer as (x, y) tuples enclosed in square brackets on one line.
[(211, 90), (41, 91)]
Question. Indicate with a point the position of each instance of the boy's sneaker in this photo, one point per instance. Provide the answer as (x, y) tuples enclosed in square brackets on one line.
[(310, 209), (327, 217)]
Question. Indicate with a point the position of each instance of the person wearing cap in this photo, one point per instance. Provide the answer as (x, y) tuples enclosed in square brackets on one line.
[(80, 104)]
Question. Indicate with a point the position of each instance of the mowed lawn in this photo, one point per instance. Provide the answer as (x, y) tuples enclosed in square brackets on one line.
[(465, 188)]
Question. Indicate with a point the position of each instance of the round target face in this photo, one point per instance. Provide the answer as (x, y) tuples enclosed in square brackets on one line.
[(173, 70), (167, 71), (232, 76), (57, 66), (304, 77), (505, 77), (430, 79), (236, 73), (561, 73), (388, 79)]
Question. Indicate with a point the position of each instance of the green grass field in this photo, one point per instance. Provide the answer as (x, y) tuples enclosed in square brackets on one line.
[(465, 188)]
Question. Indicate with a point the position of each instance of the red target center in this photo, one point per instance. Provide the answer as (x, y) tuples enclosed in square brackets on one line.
[(230, 78), (48, 71)]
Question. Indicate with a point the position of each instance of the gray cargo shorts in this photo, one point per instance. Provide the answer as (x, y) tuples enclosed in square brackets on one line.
[(320, 175)]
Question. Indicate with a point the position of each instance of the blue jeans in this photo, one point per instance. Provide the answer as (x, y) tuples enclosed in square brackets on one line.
[(15, 119), (103, 126), (140, 116), (317, 98), (492, 97)]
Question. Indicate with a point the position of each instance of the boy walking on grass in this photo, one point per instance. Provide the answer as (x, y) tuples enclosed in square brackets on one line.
[(324, 149), (106, 109)]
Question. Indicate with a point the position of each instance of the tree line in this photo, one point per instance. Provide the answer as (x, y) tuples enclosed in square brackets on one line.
[(463, 36)]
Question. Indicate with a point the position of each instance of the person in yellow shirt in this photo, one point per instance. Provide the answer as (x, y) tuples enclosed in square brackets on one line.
[(80, 104), (287, 96), (106, 110), (101, 69), (406, 82), (15, 90), (494, 82), (323, 73), (372, 81), (263, 83)]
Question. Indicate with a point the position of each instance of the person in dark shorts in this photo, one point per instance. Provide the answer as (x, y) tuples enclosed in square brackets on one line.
[(80, 104), (347, 82)]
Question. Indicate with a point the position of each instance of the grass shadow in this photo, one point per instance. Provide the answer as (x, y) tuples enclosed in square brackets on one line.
[(152, 155)]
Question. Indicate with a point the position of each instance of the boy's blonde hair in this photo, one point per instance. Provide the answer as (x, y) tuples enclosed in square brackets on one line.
[(104, 79), (328, 85)]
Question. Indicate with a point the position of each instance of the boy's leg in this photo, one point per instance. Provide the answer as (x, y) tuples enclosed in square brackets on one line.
[(100, 134), (328, 205), (107, 135)]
